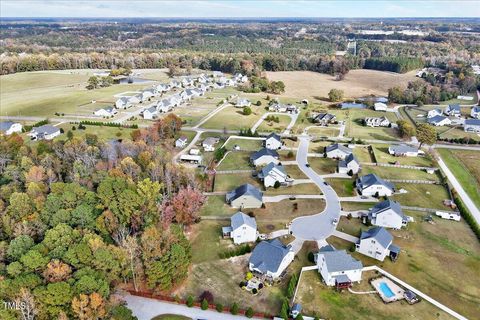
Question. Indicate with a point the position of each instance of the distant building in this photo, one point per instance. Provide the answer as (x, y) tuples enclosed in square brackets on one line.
[(448, 215), (271, 258), (273, 142), (264, 156), (337, 151), (475, 112), (106, 112), (241, 103), (209, 144), (123, 103), (472, 125), (45, 132), (324, 118), (191, 158), (9, 127), (181, 142), (453, 110), (349, 165), (380, 106), (403, 150), (372, 185), (377, 122), (338, 268), (434, 112), (246, 196), (242, 228), (377, 243), (387, 214), (439, 121)]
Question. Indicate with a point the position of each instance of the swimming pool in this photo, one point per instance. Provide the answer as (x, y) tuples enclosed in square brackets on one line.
[(387, 292)]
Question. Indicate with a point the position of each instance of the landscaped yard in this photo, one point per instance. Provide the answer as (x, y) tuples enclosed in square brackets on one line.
[(465, 165), (355, 128), (382, 156), (433, 257), (400, 173), (422, 195), (271, 126), (228, 182), (294, 172), (343, 187), (216, 206), (236, 160), (323, 165)]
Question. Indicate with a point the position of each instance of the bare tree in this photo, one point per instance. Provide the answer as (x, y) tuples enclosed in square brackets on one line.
[(27, 304), (132, 249)]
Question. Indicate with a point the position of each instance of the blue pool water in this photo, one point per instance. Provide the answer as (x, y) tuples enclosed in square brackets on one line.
[(350, 105), (387, 292)]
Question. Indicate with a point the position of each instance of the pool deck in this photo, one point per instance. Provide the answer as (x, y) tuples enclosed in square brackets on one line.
[(398, 292)]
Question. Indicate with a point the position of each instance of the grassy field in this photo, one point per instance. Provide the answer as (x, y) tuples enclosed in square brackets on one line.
[(353, 206), (382, 156), (236, 160), (400, 173), (303, 188), (422, 195), (103, 133), (343, 187), (357, 83), (318, 146), (216, 206), (324, 131), (355, 128), (228, 182), (465, 165), (244, 144), (323, 165), (294, 172), (363, 154), (270, 126), (434, 257)]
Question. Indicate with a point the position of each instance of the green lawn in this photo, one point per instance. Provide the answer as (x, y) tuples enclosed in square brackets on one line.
[(207, 242), (324, 131), (382, 156), (216, 206), (244, 144), (363, 154), (318, 146), (103, 133), (343, 187), (422, 195), (465, 165), (353, 206), (303, 188), (400, 173), (294, 172), (228, 182), (355, 128), (270, 126), (323, 165), (235, 160)]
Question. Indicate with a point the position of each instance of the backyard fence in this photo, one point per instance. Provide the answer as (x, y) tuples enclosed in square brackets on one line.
[(413, 181), (397, 166)]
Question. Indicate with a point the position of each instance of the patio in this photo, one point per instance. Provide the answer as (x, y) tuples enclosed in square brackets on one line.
[(388, 290)]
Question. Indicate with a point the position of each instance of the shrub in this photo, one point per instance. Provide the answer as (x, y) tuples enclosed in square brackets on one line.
[(259, 103), (247, 111), (311, 257), (299, 317), (234, 309), (204, 304), (260, 286), (276, 185), (189, 302), (254, 291), (249, 276), (249, 313), (219, 307), (290, 154)]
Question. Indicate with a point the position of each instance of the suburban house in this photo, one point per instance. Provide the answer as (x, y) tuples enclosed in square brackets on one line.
[(164, 106), (380, 106), (9, 127), (217, 74), (377, 243), (246, 196), (403, 150), (136, 99), (106, 112), (387, 214), (279, 107), (271, 258), (434, 112), (475, 112), (272, 173), (150, 113), (338, 268), (324, 118), (377, 122), (242, 228), (240, 78), (349, 165), (45, 132), (373, 185), (337, 151), (147, 94), (162, 88), (264, 156), (273, 141), (472, 125), (175, 84), (123, 103), (191, 158), (453, 110), (241, 103), (187, 82), (187, 94), (209, 144), (439, 121), (181, 142)]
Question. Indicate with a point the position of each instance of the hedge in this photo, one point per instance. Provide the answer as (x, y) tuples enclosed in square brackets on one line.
[(466, 214)]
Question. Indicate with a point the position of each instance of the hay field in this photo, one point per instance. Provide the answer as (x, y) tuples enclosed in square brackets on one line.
[(357, 83)]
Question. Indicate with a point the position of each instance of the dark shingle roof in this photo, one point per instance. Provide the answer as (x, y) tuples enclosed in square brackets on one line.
[(472, 122), (45, 129), (338, 146), (264, 152), (388, 204), (372, 179), (4, 126), (403, 148), (269, 167), (240, 218), (436, 119), (275, 136), (268, 255), (381, 235), (245, 189), (339, 260)]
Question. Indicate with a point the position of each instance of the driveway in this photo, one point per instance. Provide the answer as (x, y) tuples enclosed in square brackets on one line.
[(319, 226)]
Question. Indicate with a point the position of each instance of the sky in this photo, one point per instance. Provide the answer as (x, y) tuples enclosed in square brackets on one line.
[(238, 8)]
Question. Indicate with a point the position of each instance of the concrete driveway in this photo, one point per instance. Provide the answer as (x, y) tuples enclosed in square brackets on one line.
[(319, 226)]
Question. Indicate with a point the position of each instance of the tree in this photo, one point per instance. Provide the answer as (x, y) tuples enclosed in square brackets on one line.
[(219, 307), (426, 134), (56, 271), (19, 246), (28, 308), (276, 185), (234, 308), (249, 313), (187, 204), (247, 111), (284, 309), (132, 249), (335, 95), (88, 307), (189, 301), (406, 129), (93, 83), (204, 304)]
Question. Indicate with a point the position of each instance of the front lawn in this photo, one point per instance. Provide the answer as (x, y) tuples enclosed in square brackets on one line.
[(323, 165), (228, 182), (294, 172), (363, 154), (303, 188), (216, 206), (354, 206), (245, 144), (382, 156), (271, 126), (343, 187), (235, 160), (422, 195)]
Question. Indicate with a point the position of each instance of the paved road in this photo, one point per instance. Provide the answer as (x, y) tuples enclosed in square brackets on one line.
[(318, 226), (146, 309), (465, 197)]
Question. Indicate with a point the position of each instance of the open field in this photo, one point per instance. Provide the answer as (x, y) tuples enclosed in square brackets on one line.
[(303, 188), (382, 156), (427, 248), (465, 165), (422, 195), (318, 146), (323, 165), (354, 125), (400, 173), (353, 206), (236, 160), (343, 187), (357, 83), (270, 126), (244, 144), (363, 154), (216, 206), (324, 131), (103, 133)]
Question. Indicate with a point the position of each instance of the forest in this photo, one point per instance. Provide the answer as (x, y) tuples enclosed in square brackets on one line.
[(83, 217)]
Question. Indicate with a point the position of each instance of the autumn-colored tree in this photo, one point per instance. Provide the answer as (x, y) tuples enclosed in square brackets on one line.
[(28, 308), (57, 270), (168, 126), (187, 204), (426, 134), (89, 307)]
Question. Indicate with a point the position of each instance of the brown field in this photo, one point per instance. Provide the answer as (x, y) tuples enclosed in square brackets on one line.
[(357, 83)]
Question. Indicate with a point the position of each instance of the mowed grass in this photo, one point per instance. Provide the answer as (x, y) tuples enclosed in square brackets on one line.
[(303, 188), (465, 165), (363, 154), (207, 242), (422, 195), (235, 160), (400, 173), (324, 131), (294, 172), (323, 165), (271, 126), (244, 144), (318, 146), (434, 258), (343, 187), (382, 156), (228, 182), (216, 206), (353, 206), (355, 128), (103, 133)]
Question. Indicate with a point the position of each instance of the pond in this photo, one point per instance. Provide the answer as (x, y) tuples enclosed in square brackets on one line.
[(352, 105)]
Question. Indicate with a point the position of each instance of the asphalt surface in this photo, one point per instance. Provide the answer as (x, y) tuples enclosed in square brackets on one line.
[(318, 226)]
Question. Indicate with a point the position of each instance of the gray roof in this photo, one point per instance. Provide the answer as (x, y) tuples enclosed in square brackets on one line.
[(342, 278), (324, 117), (269, 167), (4, 126), (351, 157), (245, 189), (472, 122), (152, 109), (453, 107), (268, 255), (338, 146), (240, 218), (403, 148), (436, 119), (275, 136), (381, 235), (339, 260), (387, 204), (210, 141), (394, 248), (476, 109), (45, 129), (372, 179), (264, 152)]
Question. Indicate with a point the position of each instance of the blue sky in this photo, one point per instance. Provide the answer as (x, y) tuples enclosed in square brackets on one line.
[(236, 8)]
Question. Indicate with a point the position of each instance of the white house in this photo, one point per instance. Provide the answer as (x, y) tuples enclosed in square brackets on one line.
[(264, 156), (337, 151), (372, 185), (403, 150), (377, 122), (349, 165), (45, 132), (105, 112), (439, 121), (187, 81), (377, 243), (241, 103), (453, 110), (175, 84), (209, 144), (338, 268), (150, 113), (162, 88), (181, 142), (475, 112), (272, 173), (380, 106), (9, 127), (147, 94), (273, 141), (135, 99), (472, 125), (324, 118), (271, 258), (164, 106), (242, 228), (123, 103), (434, 112), (279, 107), (387, 214), (245, 196)]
